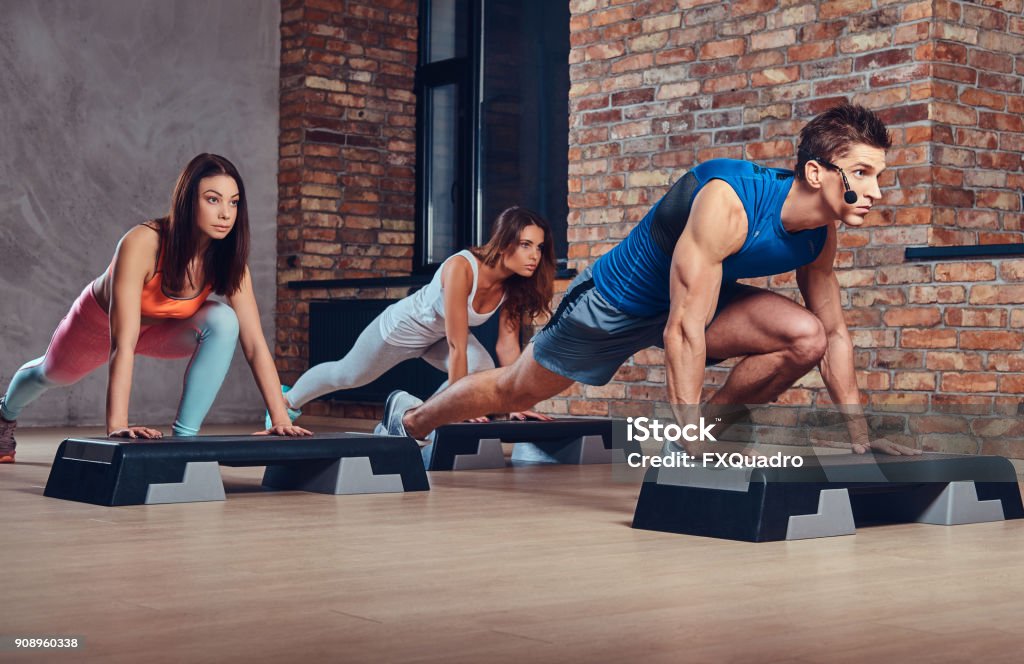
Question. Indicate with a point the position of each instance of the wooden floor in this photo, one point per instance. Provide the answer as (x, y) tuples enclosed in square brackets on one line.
[(535, 564)]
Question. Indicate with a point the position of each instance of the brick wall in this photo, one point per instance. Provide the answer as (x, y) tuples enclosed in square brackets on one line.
[(659, 85), (346, 180), (977, 121)]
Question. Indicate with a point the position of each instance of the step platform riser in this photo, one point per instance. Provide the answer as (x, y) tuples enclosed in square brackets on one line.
[(477, 446), (827, 497), (115, 472)]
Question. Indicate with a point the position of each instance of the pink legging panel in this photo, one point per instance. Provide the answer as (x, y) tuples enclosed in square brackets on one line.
[(81, 343)]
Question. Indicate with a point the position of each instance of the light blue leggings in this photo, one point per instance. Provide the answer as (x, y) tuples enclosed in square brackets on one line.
[(370, 357)]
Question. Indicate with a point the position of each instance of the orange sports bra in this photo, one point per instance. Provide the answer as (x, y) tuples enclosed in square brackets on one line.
[(157, 304)]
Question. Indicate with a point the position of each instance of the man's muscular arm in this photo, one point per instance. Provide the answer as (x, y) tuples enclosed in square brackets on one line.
[(716, 229), (820, 288)]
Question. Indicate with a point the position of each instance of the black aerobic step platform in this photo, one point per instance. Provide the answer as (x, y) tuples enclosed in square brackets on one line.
[(473, 446), (829, 495), (116, 471)]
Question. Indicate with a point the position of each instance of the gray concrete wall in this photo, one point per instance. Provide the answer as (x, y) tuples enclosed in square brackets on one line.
[(102, 102)]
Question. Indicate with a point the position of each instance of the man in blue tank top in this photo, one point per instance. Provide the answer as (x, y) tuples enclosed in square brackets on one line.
[(672, 282)]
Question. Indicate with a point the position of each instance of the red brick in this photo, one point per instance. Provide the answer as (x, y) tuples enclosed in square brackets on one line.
[(861, 317), (914, 175), (746, 7), (723, 48), (873, 380), (903, 274), (725, 83), (913, 216), (866, 297), (898, 359), (673, 56), (811, 51), (593, 408), (942, 237), (976, 317), (819, 30), (905, 113), (983, 294), (1002, 43), (775, 76), (912, 338), (1011, 384), (888, 58), (953, 361), (992, 340), (912, 317), (962, 404), (862, 42), (740, 98), (900, 402), (873, 338), (953, 197), (977, 139), (1012, 270), (969, 382), (746, 26), (1002, 200), (916, 381), (955, 73), (973, 271), (840, 8), (769, 150), (937, 424), (1004, 161), (975, 97), (1005, 362), (776, 39), (989, 61)]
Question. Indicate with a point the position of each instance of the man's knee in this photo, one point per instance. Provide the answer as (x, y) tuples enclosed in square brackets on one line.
[(510, 388), (808, 342), (525, 383)]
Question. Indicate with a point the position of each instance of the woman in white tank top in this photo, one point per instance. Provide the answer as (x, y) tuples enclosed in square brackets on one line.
[(513, 272)]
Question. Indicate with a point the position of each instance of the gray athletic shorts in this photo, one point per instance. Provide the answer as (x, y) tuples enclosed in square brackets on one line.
[(588, 339)]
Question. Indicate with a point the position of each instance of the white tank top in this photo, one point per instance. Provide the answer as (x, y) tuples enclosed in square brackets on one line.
[(418, 320)]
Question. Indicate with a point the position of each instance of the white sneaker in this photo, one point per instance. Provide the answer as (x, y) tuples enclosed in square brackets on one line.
[(398, 403)]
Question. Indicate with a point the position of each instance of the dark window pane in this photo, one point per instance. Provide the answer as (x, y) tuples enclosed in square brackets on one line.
[(441, 156), (448, 30), (524, 112)]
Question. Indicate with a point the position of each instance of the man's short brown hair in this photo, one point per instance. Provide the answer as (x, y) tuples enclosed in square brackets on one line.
[(830, 135)]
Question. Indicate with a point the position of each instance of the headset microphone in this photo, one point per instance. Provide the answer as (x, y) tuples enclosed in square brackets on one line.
[(849, 195)]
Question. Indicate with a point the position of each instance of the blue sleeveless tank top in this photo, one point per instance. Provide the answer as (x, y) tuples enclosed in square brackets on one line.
[(634, 275)]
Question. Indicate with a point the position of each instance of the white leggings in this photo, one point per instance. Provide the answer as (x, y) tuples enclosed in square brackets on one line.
[(370, 357)]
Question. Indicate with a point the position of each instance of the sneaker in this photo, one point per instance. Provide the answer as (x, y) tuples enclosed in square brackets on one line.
[(7, 443), (395, 408), (293, 413)]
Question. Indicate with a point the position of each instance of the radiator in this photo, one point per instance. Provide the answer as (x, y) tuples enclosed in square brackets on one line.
[(334, 326)]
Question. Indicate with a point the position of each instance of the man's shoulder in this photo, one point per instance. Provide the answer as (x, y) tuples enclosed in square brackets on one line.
[(738, 168), (723, 195)]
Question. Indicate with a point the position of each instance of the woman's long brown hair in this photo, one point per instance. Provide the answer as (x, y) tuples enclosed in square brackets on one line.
[(526, 298), (225, 260)]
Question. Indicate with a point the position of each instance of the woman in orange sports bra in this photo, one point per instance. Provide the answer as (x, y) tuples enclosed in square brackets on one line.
[(153, 300)]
